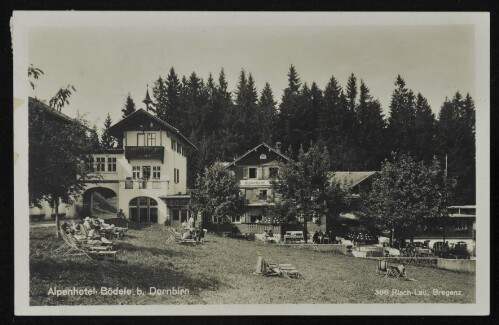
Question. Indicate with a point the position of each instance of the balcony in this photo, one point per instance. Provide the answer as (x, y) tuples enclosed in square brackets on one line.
[(152, 152)]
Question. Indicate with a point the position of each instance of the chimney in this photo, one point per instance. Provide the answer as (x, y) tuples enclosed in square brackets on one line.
[(278, 146)]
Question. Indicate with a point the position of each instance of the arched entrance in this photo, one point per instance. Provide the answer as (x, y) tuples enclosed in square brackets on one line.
[(100, 201), (143, 209)]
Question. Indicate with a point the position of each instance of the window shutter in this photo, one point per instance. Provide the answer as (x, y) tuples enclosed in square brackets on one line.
[(259, 173), (245, 172), (265, 173)]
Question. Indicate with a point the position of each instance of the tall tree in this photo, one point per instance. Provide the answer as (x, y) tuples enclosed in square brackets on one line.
[(159, 93), (217, 194), (401, 121), (406, 195), (51, 178), (305, 184), (370, 131), (245, 105), (456, 143), (107, 141), (128, 107), (172, 111), (287, 110), (424, 130), (268, 112)]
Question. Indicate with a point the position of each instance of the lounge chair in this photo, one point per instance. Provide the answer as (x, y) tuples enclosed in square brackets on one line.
[(74, 247), (270, 268), (396, 271), (177, 237)]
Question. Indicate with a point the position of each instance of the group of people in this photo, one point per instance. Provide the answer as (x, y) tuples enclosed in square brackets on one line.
[(86, 230), (320, 237), (196, 233)]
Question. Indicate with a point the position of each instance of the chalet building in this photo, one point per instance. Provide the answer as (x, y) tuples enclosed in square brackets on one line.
[(459, 228), (253, 170), (147, 177)]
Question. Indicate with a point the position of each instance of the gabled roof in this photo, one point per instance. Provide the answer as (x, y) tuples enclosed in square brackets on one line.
[(33, 102), (350, 178), (254, 149), (120, 124)]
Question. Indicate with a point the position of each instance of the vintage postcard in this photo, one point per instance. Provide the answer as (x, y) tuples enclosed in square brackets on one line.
[(251, 163)]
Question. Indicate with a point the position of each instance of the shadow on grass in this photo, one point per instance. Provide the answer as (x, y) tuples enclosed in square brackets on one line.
[(127, 247), (81, 272)]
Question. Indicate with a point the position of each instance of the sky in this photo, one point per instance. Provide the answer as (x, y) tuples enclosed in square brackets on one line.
[(107, 62)]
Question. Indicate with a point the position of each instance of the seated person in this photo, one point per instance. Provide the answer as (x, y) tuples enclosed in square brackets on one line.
[(199, 234), (187, 234), (315, 237), (321, 237)]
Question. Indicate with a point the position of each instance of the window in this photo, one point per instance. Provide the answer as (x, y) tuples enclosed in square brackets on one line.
[(179, 148), (263, 195), (236, 219), (273, 172), (151, 139), (146, 172), (175, 215), (461, 224), (252, 172), (174, 145), (136, 172), (128, 183), (140, 139), (156, 172), (176, 175), (100, 164), (111, 164)]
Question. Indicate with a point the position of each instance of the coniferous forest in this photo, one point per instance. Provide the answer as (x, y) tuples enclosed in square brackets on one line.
[(224, 123)]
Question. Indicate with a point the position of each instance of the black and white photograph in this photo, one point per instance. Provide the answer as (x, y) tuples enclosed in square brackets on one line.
[(251, 163)]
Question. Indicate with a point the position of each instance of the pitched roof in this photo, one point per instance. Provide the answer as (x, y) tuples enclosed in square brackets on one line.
[(34, 102), (255, 148), (117, 126), (350, 178)]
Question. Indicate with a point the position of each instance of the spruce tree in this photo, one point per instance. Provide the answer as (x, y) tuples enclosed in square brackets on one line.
[(455, 134), (370, 131), (268, 112), (128, 107), (107, 141), (173, 113), (401, 121), (287, 111), (424, 130), (159, 94)]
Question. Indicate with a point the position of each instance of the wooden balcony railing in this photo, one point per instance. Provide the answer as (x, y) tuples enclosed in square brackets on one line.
[(151, 152)]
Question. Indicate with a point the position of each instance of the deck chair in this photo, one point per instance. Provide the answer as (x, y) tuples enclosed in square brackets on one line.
[(177, 237), (382, 268), (74, 248), (269, 268)]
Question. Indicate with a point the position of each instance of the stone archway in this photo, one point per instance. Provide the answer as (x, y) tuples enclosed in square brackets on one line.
[(100, 201)]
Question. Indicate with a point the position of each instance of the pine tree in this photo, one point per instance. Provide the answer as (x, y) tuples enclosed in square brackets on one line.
[(370, 131), (288, 109), (424, 130), (107, 141), (173, 112), (128, 107), (161, 99), (455, 134), (268, 112), (401, 121)]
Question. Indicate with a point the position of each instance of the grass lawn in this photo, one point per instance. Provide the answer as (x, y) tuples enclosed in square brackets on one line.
[(220, 272)]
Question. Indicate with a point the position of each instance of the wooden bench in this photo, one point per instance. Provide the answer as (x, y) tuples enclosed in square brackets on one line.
[(293, 236)]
